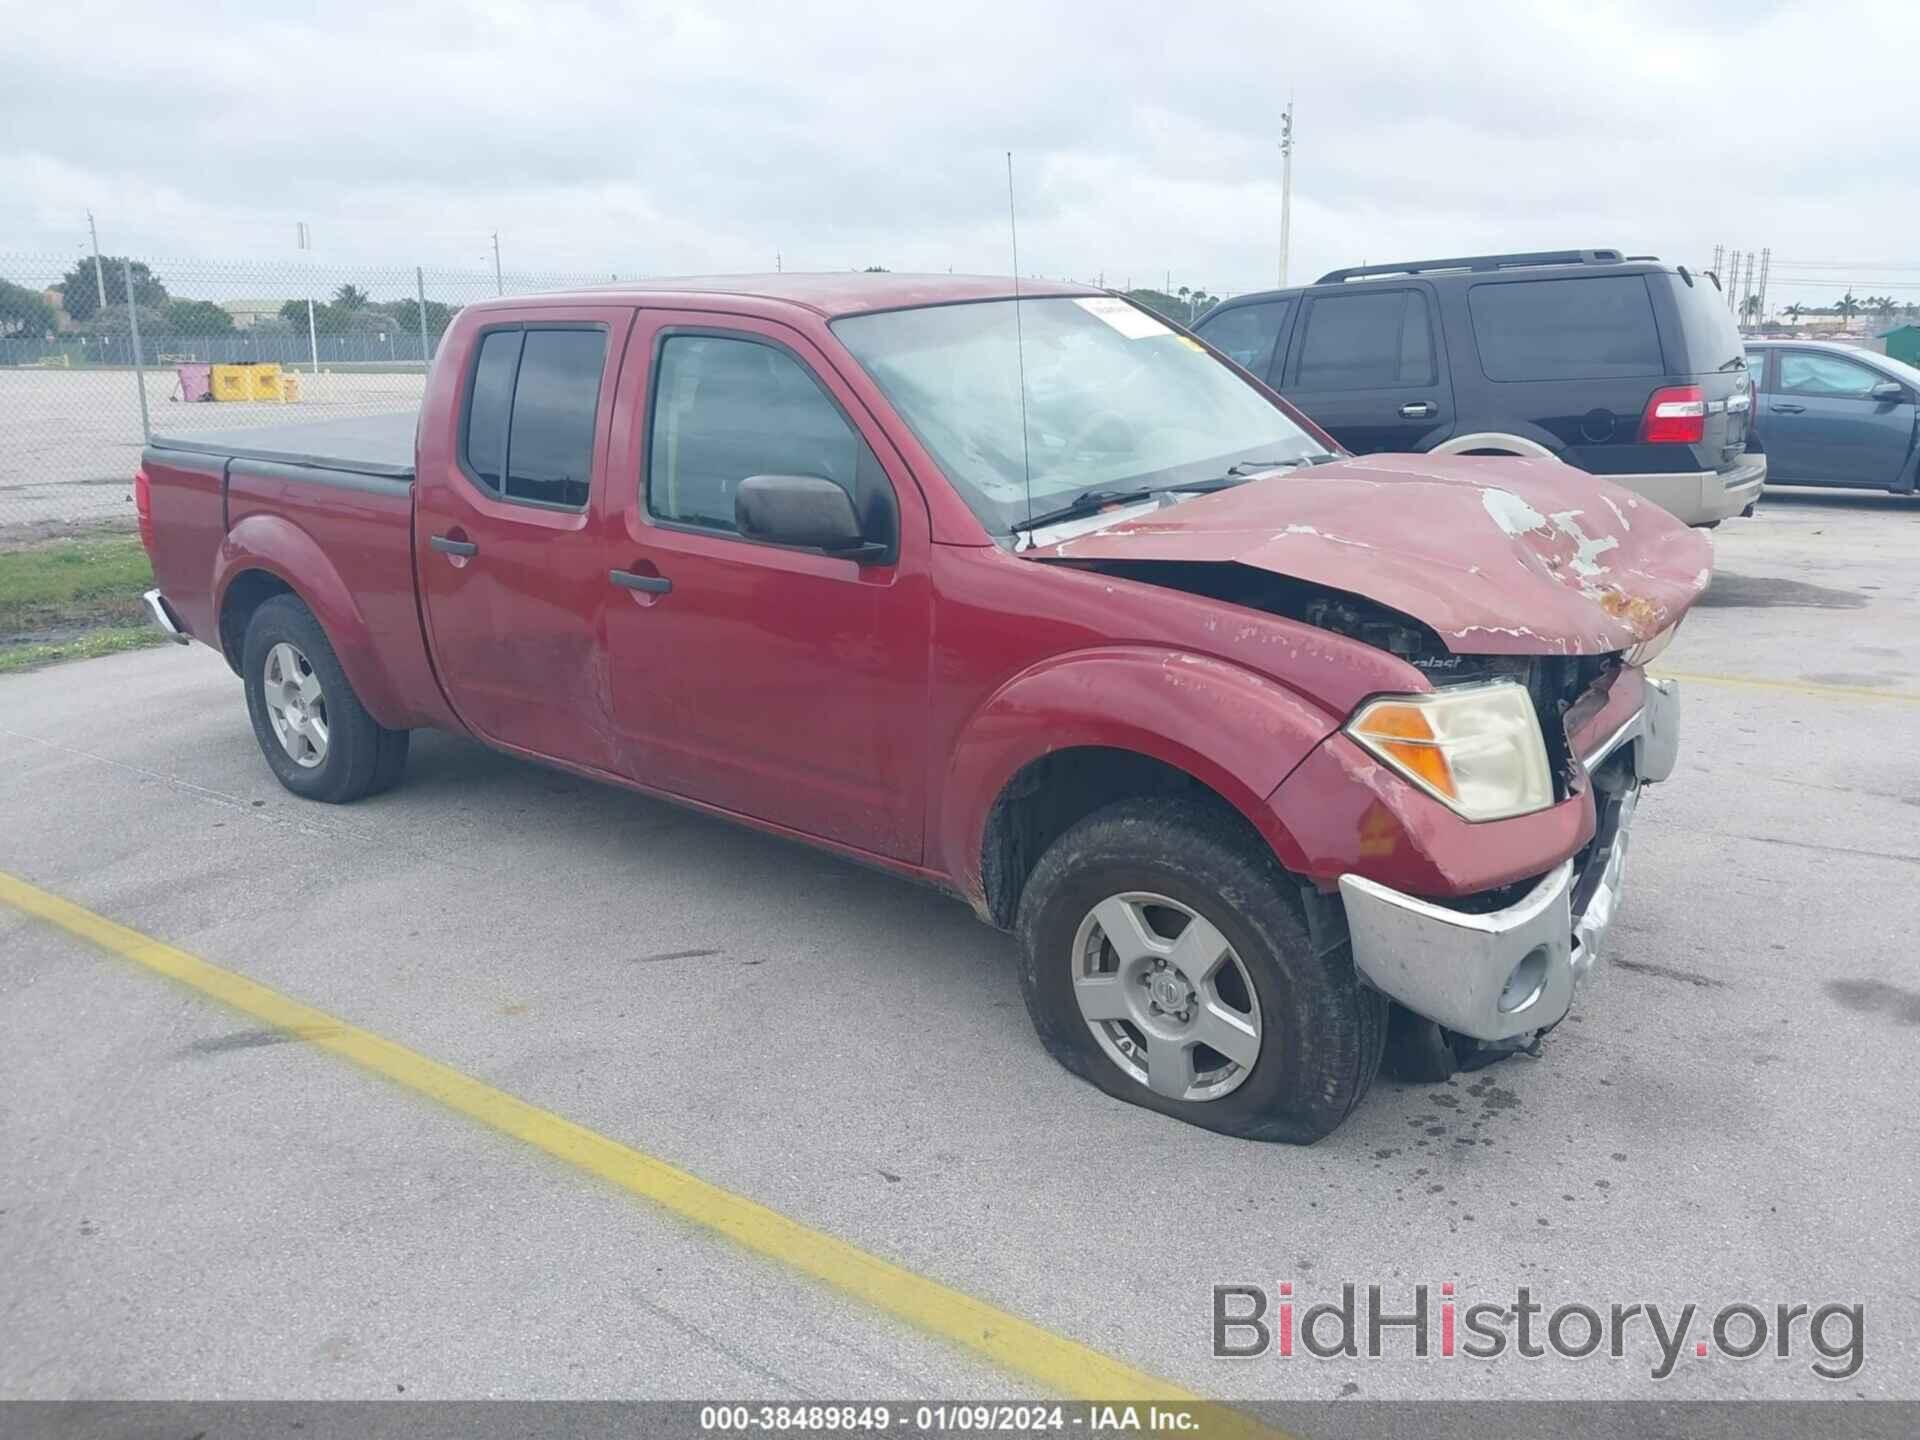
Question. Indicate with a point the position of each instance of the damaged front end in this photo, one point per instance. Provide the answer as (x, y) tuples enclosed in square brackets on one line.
[(1481, 921), (1506, 973)]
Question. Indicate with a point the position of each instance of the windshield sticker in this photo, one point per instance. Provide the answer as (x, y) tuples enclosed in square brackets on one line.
[(1132, 323)]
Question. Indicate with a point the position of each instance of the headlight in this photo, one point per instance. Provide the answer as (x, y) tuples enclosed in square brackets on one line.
[(1475, 748), (1648, 651)]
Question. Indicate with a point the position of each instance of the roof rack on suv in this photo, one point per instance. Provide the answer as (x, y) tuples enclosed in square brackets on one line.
[(1477, 262)]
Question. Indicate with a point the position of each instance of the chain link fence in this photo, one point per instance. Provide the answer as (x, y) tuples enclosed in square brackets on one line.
[(205, 345), (211, 345)]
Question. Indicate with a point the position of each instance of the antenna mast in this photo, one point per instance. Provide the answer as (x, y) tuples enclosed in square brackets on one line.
[(1019, 339)]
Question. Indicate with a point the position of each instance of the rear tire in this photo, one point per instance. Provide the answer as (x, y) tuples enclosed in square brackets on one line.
[(1319, 1031), (318, 739)]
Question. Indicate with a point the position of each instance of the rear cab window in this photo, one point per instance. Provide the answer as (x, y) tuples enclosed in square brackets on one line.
[(1368, 340), (532, 397), (1579, 328)]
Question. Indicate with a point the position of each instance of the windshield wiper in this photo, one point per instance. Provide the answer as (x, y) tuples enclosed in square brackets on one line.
[(1087, 502), (1253, 467)]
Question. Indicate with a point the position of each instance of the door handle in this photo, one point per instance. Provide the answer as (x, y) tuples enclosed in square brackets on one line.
[(462, 548), (1419, 410), (1779, 409), (652, 584)]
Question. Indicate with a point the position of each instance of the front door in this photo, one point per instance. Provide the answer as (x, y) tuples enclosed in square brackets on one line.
[(779, 683), (1823, 425), (506, 550), (1365, 367)]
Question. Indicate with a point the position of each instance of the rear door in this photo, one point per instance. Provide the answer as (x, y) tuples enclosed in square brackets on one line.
[(1824, 426), (508, 560), (1365, 364)]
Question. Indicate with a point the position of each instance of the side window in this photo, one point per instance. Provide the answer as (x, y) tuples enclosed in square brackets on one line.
[(724, 409), (488, 402), (530, 414), (1802, 372), (1247, 333), (1756, 367), (1591, 328), (1368, 341)]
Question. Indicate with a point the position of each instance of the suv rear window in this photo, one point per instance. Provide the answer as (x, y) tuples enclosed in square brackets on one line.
[(1707, 329), (1591, 328)]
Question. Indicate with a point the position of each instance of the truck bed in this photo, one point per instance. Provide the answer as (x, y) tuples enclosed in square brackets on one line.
[(374, 445)]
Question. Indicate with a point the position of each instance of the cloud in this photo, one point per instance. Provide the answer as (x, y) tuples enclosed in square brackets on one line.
[(661, 139)]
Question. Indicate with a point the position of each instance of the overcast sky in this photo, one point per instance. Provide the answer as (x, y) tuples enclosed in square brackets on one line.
[(681, 138)]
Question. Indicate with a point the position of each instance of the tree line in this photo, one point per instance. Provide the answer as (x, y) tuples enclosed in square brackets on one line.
[(26, 313)]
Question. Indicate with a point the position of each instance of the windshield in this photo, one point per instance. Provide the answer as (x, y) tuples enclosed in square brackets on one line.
[(1114, 401)]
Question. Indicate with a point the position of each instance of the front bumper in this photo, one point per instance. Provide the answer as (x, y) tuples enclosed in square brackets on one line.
[(1514, 970), (1701, 497)]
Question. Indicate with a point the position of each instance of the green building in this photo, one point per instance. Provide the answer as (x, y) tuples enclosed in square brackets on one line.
[(1903, 343)]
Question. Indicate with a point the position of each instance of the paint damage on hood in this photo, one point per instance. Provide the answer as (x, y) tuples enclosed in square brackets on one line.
[(1496, 555)]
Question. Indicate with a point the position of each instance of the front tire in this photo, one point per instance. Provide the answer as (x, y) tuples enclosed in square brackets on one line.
[(1168, 960), (318, 739)]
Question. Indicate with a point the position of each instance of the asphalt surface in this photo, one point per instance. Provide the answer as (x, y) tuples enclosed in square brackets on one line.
[(194, 1206)]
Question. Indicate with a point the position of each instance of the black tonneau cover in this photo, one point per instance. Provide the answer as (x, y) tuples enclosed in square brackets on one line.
[(379, 445)]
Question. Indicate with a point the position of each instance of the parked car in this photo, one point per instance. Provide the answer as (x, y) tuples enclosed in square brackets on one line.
[(1623, 367), (1836, 415), (1243, 739)]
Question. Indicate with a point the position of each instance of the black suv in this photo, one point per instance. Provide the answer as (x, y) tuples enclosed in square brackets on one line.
[(1623, 366)]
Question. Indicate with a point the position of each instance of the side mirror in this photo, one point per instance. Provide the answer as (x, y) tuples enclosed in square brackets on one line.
[(799, 510), (1888, 390)]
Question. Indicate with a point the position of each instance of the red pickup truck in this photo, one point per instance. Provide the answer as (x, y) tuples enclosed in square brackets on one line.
[(1276, 761)]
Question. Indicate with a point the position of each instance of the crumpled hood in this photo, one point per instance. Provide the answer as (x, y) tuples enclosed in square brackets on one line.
[(1499, 555)]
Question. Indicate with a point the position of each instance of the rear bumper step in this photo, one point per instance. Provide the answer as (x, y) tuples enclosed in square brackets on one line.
[(164, 617)]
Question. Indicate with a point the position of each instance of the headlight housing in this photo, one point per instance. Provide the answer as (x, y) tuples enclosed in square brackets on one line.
[(1475, 748)]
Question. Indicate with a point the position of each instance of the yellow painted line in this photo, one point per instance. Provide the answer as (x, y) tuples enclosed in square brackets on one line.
[(1794, 687), (1063, 1367)]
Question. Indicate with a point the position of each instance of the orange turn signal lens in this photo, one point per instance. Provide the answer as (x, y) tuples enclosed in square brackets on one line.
[(1403, 733)]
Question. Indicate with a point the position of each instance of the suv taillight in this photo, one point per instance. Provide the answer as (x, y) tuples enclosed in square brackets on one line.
[(1676, 415), (143, 508)]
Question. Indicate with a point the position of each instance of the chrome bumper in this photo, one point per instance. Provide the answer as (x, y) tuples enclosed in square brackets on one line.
[(1511, 971), (164, 617)]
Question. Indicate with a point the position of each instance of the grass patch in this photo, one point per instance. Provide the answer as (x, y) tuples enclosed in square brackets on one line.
[(109, 641), (72, 599)]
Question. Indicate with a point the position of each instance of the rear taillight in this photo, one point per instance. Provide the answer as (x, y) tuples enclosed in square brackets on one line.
[(143, 508), (1676, 415)]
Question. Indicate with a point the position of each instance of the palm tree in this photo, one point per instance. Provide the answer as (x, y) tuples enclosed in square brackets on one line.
[(350, 298), (1883, 305), (1794, 312), (1846, 307), (1750, 309)]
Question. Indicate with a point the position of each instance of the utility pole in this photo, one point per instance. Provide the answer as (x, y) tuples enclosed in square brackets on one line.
[(1731, 281), (1766, 261), (499, 288), (303, 237), (99, 275), (1286, 187)]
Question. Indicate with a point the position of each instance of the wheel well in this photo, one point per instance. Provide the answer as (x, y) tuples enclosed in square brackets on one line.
[(246, 593), (1057, 791)]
